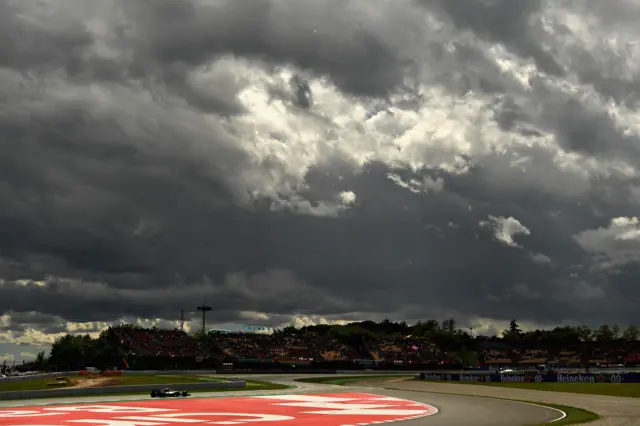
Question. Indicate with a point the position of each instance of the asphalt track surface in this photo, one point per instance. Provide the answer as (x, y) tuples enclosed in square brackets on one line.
[(478, 407), (615, 411)]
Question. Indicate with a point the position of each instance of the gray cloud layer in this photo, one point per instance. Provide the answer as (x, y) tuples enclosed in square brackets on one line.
[(467, 158)]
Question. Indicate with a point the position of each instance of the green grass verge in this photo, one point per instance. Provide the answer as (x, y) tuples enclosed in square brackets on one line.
[(343, 380), (574, 415), (62, 382), (260, 385), (166, 379), (32, 384), (629, 390), (250, 385)]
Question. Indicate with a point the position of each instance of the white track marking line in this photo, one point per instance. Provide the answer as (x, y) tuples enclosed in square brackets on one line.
[(435, 409), (562, 413)]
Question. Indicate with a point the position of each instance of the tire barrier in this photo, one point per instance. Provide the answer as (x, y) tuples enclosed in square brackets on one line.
[(600, 377), (107, 390)]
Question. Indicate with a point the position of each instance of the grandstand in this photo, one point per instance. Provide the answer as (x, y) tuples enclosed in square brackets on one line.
[(353, 346)]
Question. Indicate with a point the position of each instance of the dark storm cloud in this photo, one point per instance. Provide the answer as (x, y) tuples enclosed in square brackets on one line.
[(608, 65), (132, 182), (29, 45), (325, 38), (503, 21), (20, 321), (584, 130)]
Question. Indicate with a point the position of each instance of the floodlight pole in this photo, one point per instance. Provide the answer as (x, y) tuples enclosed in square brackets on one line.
[(204, 309)]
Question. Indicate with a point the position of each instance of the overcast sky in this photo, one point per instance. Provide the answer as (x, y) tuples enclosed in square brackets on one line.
[(299, 161)]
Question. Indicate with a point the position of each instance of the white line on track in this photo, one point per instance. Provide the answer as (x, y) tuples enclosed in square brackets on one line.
[(561, 413)]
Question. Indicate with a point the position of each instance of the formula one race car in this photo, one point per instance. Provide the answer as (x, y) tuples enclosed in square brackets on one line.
[(168, 393)]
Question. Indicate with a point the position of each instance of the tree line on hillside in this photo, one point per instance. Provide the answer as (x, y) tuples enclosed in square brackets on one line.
[(447, 332), (76, 351), (71, 352)]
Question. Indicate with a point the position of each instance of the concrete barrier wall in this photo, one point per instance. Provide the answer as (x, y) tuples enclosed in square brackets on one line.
[(534, 377), (407, 372), (559, 370), (470, 372), (62, 393)]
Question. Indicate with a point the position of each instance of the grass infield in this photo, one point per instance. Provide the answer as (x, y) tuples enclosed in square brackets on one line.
[(167, 379), (343, 380), (629, 390), (250, 385), (574, 415)]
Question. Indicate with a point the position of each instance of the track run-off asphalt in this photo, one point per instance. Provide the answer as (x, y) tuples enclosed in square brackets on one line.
[(457, 404)]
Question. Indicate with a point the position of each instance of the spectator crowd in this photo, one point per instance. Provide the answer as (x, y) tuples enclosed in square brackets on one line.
[(318, 347), (358, 345), (300, 348)]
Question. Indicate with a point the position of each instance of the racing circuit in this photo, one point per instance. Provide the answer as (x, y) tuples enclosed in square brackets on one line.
[(364, 403)]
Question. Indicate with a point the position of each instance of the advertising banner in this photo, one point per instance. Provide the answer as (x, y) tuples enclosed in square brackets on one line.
[(533, 377)]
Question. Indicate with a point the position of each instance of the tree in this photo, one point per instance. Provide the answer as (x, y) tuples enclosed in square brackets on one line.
[(40, 361), (514, 328), (468, 358), (449, 325), (512, 334), (604, 333), (632, 333), (427, 328), (68, 352), (199, 334), (585, 333), (615, 331)]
